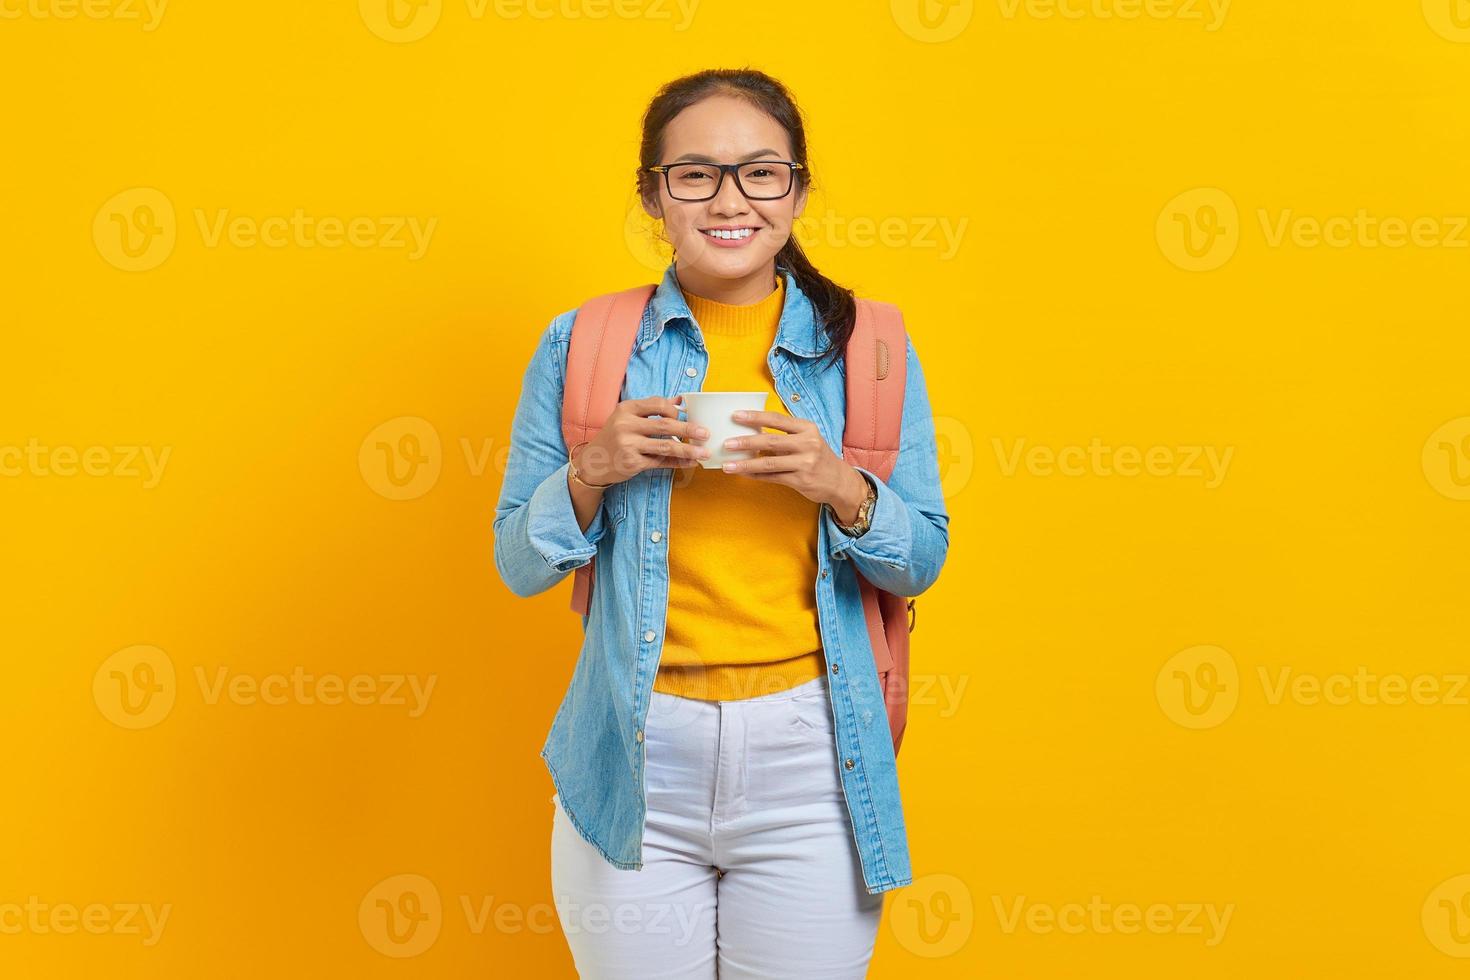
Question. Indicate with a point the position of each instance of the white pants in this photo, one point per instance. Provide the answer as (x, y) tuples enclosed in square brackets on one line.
[(750, 868)]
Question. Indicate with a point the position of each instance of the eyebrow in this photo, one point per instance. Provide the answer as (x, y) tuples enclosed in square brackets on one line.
[(766, 152)]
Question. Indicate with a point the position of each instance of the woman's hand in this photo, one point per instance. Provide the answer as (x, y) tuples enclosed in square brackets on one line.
[(799, 458), (629, 443)]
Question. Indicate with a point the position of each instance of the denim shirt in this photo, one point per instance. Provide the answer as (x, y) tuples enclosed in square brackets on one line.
[(594, 751)]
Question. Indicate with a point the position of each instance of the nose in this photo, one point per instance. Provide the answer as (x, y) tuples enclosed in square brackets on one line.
[(729, 200)]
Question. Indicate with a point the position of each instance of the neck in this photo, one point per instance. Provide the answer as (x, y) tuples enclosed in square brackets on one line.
[(741, 291)]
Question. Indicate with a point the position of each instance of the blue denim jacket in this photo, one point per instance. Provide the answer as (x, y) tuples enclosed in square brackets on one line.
[(594, 750)]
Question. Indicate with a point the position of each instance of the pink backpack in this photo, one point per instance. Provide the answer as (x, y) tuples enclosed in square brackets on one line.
[(876, 358)]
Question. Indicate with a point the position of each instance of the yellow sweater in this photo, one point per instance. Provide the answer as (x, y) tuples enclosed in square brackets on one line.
[(742, 617)]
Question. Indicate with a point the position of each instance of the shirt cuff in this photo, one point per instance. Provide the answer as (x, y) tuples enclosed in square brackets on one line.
[(889, 536), (551, 522)]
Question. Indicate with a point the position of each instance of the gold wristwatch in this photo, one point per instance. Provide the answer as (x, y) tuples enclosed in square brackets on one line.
[(864, 515)]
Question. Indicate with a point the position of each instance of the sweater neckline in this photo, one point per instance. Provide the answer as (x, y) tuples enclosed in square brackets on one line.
[(739, 319)]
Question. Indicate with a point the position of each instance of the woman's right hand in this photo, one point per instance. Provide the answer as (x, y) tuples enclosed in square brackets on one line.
[(631, 442)]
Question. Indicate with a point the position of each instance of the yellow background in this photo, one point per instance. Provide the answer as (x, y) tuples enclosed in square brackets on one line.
[(1055, 754)]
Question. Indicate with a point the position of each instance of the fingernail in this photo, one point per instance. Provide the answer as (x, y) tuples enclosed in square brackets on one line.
[(742, 415), (704, 454), (732, 443), (730, 467), (701, 432)]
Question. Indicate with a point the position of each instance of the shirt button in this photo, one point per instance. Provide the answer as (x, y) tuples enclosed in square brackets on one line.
[(690, 371), (835, 668), (796, 396), (656, 536), (639, 736), (824, 573), (648, 636), (849, 763)]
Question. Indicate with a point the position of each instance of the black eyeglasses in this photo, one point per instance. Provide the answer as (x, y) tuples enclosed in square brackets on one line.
[(758, 180)]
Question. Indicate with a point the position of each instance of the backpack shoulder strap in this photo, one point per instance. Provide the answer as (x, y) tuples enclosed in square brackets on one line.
[(877, 368), (877, 364), (597, 361)]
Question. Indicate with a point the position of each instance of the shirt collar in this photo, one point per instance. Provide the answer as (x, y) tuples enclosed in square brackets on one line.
[(797, 331)]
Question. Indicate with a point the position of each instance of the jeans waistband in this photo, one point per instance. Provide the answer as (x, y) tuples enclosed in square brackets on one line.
[(806, 689)]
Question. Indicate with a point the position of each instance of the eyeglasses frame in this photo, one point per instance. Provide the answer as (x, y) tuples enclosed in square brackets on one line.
[(733, 169)]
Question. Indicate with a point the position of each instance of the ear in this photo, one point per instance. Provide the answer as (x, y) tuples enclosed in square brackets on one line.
[(800, 202), (652, 206)]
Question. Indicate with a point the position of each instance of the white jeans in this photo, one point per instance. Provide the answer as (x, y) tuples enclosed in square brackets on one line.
[(750, 869)]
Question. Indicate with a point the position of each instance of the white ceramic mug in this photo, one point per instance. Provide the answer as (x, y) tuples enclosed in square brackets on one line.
[(712, 409)]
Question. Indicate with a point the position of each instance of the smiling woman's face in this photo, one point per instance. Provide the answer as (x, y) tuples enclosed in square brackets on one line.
[(725, 129)]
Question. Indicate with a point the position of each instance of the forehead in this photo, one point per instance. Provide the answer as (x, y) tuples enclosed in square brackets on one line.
[(723, 128)]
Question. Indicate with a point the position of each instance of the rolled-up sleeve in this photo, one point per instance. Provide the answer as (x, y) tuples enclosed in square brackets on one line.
[(537, 537), (907, 539)]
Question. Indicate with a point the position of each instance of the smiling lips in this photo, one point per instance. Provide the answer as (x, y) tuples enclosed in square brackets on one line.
[(729, 237)]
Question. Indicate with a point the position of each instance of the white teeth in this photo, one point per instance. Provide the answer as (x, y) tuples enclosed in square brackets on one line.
[(741, 233)]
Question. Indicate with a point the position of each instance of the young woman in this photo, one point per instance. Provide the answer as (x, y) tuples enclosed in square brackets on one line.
[(726, 797)]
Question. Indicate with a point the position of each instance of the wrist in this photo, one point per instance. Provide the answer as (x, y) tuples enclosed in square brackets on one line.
[(845, 506), (576, 478)]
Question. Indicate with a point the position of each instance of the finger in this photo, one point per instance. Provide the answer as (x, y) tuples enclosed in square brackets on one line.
[(783, 478), (765, 464), (667, 447), (773, 420), (652, 405), (780, 444), (674, 462), (668, 427)]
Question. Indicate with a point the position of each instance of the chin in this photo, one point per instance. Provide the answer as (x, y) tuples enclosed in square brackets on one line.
[(729, 265)]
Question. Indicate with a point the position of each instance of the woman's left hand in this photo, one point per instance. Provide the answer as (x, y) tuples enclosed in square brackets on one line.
[(797, 457)]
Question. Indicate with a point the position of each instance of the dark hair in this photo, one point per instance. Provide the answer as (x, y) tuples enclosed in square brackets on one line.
[(835, 308)]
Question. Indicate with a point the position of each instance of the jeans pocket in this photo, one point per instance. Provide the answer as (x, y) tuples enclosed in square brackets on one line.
[(812, 715)]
